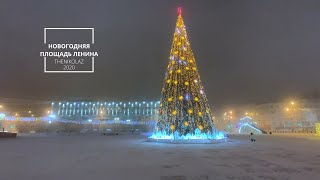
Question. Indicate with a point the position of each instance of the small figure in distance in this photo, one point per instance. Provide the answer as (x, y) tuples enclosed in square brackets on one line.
[(253, 139), (226, 135)]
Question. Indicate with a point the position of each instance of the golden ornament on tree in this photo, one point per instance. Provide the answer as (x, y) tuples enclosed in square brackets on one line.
[(174, 112)]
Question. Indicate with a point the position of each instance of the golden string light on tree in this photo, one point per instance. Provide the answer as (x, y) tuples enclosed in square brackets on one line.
[(317, 129)]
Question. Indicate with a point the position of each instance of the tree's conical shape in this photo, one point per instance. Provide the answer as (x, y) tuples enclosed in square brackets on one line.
[(184, 106)]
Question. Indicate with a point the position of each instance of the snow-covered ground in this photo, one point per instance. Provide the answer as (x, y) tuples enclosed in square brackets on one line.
[(129, 157)]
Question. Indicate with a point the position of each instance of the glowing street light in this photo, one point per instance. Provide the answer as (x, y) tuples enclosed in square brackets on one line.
[(292, 103), (287, 109)]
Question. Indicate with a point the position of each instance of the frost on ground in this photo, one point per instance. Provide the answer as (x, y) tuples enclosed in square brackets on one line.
[(76, 157)]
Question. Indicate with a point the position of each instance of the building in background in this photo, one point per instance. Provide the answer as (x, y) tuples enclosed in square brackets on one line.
[(298, 115), (98, 110)]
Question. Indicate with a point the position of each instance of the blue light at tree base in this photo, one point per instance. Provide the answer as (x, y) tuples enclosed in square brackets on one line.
[(190, 138)]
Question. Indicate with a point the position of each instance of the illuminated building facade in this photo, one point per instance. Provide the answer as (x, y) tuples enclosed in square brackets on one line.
[(98, 110)]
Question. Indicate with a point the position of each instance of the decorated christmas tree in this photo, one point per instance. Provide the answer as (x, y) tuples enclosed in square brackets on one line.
[(184, 111)]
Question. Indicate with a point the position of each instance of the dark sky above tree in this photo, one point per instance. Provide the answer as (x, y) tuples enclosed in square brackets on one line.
[(246, 51)]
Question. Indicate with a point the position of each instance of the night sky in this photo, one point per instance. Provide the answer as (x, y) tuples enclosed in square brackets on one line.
[(246, 51)]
